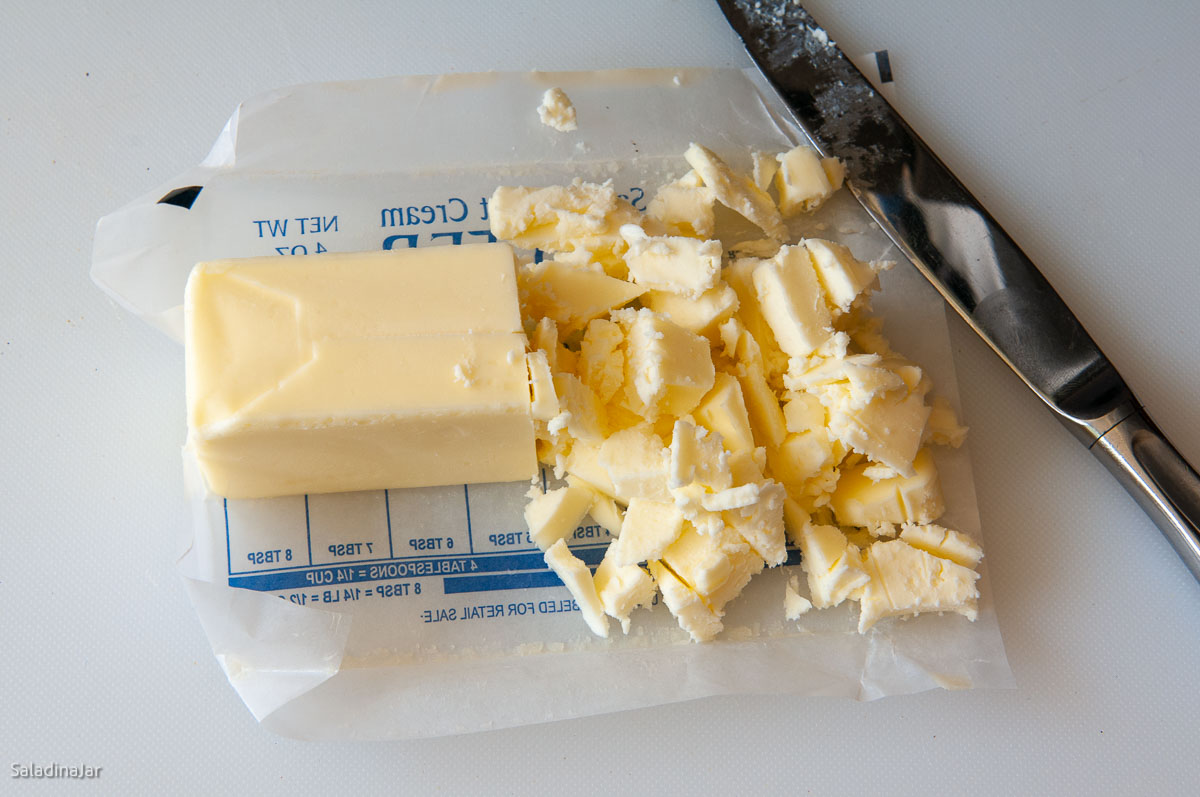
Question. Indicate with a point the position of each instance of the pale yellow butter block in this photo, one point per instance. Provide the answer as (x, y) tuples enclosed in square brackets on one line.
[(835, 172), (556, 514), (340, 372), (905, 581), (578, 579), (860, 501)]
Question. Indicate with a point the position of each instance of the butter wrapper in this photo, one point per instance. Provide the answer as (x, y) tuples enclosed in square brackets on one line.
[(424, 612)]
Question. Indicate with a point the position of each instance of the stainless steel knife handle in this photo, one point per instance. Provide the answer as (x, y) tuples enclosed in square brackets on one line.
[(1158, 478)]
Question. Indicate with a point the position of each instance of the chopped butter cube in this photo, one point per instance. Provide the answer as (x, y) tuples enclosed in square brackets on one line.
[(795, 518), (833, 565), (689, 609), (601, 358), (684, 207), (859, 501), (794, 604), (801, 181), (736, 191), (746, 465), (697, 456), (668, 368), (835, 172), (800, 458), (556, 514), (716, 566), (580, 217), (585, 413), (943, 428), (792, 301), (578, 579), (842, 276), (545, 339), (622, 589), (765, 167), (906, 581), (583, 462), (761, 523), (637, 464), (648, 529), (732, 498), (723, 411), (603, 509), (803, 413), (557, 111), (766, 417), (740, 276), (702, 314), (571, 295), (544, 405), (943, 542), (677, 264), (888, 429), (876, 406)]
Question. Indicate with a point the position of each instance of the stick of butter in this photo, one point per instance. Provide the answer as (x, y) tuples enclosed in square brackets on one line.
[(340, 372)]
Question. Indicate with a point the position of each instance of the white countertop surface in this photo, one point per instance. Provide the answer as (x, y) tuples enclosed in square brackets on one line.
[(1074, 124)]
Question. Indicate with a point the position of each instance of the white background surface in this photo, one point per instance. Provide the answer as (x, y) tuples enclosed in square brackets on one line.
[(1075, 125)]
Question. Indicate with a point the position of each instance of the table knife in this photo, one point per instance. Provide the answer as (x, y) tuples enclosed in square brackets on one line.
[(951, 239)]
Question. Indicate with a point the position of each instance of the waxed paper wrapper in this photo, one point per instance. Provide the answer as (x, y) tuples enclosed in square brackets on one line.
[(382, 668)]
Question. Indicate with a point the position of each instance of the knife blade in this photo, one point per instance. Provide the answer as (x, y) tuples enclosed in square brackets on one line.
[(982, 273)]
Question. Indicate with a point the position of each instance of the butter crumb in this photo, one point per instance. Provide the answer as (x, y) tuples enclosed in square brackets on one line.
[(557, 111)]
